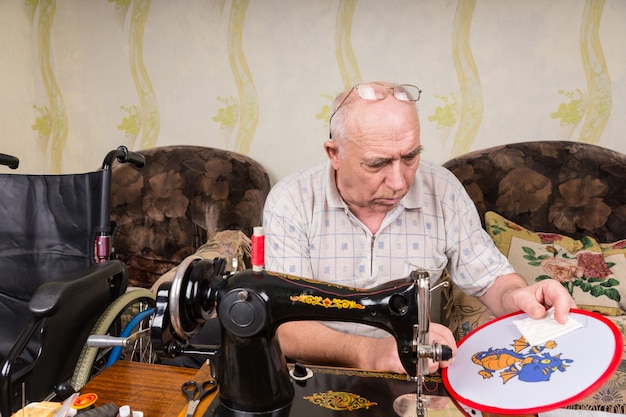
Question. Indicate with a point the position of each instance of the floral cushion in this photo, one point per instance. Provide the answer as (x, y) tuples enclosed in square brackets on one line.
[(594, 273)]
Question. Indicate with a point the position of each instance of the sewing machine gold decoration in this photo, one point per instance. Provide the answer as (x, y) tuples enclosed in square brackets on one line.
[(339, 401)]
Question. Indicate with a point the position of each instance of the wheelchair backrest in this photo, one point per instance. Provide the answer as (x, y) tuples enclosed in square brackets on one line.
[(47, 228)]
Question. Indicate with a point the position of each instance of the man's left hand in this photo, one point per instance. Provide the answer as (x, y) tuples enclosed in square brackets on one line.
[(510, 293)]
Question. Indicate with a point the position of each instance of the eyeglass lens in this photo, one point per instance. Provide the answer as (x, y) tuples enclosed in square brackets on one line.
[(374, 91)]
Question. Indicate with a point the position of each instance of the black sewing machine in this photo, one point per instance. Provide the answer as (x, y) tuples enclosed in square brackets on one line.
[(252, 373)]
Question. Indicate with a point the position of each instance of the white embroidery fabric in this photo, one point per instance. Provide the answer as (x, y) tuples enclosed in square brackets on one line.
[(539, 331)]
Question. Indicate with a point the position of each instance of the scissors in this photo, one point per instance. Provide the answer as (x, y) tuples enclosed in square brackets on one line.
[(191, 388)]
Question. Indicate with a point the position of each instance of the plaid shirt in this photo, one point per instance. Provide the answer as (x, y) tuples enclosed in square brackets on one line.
[(310, 232)]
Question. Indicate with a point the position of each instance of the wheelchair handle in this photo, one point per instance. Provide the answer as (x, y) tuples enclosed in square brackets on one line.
[(123, 155), (10, 161)]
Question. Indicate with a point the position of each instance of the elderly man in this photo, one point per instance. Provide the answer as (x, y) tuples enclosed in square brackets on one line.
[(373, 212)]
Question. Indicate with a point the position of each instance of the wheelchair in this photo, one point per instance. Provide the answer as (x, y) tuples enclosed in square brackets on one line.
[(60, 283)]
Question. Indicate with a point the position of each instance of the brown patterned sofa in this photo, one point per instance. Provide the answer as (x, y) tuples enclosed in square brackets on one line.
[(180, 200), (539, 199)]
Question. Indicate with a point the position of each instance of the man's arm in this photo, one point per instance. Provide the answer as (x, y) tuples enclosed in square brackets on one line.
[(314, 343), (510, 293)]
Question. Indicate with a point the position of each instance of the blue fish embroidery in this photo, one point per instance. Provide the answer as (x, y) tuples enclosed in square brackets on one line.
[(527, 363)]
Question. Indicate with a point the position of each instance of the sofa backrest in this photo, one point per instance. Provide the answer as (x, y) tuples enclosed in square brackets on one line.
[(572, 188), (183, 195)]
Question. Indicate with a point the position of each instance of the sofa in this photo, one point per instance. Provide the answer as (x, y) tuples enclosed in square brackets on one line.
[(185, 200), (557, 209)]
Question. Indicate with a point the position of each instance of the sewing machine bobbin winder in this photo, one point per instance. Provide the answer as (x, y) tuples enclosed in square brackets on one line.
[(252, 373)]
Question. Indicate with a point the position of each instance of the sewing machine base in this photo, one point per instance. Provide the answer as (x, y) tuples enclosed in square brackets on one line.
[(331, 392)]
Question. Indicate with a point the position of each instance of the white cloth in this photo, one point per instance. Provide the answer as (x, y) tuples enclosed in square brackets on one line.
[(539, 331)]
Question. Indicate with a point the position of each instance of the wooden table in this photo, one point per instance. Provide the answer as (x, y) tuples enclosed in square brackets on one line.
[(152, 389), (155, 390)]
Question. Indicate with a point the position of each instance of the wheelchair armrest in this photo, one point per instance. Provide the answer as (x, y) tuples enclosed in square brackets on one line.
[(48, 296)]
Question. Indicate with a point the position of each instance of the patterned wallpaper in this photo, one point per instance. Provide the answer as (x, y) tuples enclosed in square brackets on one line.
[(80, 77)]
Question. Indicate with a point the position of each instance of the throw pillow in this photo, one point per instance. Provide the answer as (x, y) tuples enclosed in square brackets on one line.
[(594, 273)]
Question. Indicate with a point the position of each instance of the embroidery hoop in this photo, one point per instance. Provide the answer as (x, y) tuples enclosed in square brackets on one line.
[(595, 349)]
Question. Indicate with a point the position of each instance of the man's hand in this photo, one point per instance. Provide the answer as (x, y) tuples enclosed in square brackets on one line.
[(383, 353), (510, 293), (534, 299), (442, 335)]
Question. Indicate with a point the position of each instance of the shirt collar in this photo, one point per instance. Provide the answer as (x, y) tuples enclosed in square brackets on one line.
[(332, 194)]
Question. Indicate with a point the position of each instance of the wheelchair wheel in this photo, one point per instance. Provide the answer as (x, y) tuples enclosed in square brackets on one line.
[(128, 314)]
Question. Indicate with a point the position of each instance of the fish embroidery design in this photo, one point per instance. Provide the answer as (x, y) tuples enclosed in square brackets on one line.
[(527, 363)]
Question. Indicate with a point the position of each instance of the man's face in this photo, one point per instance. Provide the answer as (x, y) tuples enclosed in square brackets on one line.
[(380, 155)]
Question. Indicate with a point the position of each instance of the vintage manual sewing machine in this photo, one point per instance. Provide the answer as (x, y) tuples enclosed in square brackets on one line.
[(253, 376)]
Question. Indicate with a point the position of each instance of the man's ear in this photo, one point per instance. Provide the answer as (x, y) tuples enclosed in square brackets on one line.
[(332, 150)]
